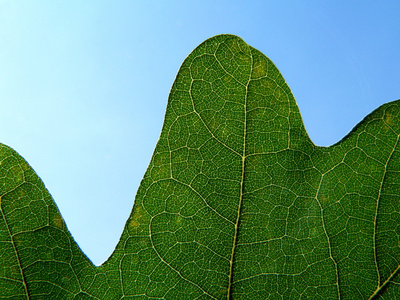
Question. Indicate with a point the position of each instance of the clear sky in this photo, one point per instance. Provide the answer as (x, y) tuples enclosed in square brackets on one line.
[(84, 84)]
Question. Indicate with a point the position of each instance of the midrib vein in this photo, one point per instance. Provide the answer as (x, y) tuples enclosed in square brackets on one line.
[(243, 156), (16, 252), (379, 285), (236, 231)]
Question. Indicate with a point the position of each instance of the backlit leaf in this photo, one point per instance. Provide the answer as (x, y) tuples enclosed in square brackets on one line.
[(237, 202)]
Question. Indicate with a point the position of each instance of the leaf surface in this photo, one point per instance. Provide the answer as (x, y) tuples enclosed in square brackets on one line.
[(237, 202)]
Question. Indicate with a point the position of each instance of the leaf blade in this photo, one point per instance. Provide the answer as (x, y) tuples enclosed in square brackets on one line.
[(237, 201)]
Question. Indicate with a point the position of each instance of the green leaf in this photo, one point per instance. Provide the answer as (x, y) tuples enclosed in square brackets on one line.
[(237, 202)]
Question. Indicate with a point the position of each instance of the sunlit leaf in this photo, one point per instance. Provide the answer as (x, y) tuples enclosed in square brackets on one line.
[(237, 202)]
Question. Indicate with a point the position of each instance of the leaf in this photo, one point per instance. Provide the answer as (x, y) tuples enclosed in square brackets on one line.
[(237, 202)]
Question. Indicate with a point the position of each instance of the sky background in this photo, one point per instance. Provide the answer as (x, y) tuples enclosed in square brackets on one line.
[(84, 84)]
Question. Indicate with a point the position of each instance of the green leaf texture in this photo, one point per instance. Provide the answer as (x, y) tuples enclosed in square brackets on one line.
[(237, 203)]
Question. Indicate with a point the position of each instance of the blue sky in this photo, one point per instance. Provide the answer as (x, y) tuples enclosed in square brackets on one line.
[(84, 84)]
